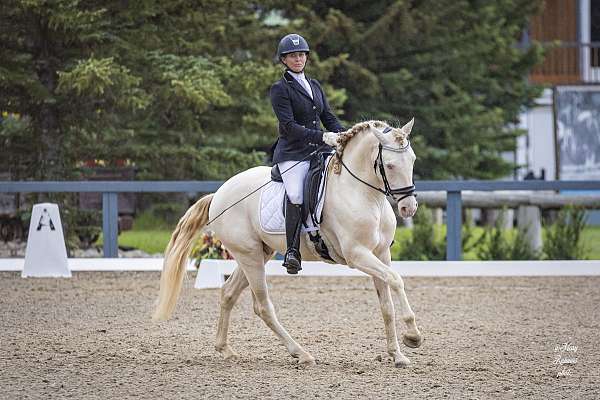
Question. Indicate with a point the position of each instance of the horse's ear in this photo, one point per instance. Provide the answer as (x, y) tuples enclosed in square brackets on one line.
[(408, 127), (383, 139)]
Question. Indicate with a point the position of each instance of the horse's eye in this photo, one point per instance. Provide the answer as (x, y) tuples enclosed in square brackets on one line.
[(389, 166)]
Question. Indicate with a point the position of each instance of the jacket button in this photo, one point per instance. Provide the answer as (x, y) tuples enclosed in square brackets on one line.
[(314, 107), (314, 122)]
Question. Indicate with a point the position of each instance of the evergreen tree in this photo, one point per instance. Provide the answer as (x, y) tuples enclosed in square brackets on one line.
[(166, 86), (179, 89), (452, 64)]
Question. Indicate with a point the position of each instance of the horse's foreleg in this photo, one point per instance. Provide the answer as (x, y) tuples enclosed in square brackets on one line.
[(364, 260), (389, 321), (412, 337), (230, 293), (263, 307)]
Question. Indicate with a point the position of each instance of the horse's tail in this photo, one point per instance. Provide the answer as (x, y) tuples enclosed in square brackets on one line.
[(176, 256)]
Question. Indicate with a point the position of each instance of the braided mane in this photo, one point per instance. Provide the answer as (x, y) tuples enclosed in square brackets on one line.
[(344, 138)]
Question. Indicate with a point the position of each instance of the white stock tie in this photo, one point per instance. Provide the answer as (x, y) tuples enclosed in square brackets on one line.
[(306, 86)]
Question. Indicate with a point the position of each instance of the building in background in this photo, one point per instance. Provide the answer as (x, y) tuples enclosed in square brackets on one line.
[(563, 130)]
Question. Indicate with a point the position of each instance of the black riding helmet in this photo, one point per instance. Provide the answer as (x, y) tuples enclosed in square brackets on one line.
[(292, 43)]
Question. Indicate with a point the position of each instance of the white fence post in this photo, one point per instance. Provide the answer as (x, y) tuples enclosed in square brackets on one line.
[(530, 221)]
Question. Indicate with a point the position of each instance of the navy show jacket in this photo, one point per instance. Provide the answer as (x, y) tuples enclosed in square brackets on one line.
[(300, 118)]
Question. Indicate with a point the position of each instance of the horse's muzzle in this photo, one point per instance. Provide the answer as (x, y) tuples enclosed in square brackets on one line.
[(408, 207)]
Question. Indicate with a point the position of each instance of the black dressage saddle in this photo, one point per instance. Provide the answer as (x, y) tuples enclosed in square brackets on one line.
[(316, 171)]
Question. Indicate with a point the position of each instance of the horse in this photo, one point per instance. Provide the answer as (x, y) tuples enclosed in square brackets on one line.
[(358, 228)]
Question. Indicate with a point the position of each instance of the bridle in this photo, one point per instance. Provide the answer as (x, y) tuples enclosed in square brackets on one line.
[(404, 192)]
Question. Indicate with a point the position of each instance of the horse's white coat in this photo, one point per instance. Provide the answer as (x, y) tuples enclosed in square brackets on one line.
[(358, 228)]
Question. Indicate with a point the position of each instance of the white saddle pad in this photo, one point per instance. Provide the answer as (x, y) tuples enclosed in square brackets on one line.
[(272, 219)]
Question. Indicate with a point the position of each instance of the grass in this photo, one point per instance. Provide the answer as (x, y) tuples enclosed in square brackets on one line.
[(150, 241), (149, 234), (591, 240)]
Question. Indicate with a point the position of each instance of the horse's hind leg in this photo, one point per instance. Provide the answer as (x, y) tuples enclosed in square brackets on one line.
[(263, 307), (230, 293), (268, 254), (387, 310)]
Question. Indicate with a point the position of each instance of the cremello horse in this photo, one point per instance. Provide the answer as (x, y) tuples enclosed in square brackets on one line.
[(358, 228)]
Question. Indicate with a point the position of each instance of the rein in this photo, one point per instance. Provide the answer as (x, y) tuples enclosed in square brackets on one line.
[(388, 191), (405, 192)]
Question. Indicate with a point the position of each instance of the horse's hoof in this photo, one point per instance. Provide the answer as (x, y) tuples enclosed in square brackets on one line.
[(401, 361), (412, 341), (306, 361), (228, 353)]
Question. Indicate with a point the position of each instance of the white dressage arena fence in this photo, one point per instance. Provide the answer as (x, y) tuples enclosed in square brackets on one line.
[(212, 273)]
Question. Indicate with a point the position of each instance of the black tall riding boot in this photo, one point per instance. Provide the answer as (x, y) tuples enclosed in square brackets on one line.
[(293, 226)]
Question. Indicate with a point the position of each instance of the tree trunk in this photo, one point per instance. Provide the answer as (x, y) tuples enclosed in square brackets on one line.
[(51, 136)]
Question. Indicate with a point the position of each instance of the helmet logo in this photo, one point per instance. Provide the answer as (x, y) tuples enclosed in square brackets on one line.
[(295, 41)]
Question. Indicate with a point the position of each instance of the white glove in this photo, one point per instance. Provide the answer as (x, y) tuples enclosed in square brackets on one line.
[(330, 138)]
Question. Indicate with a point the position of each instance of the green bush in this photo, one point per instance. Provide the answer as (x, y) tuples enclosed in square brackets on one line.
[(88, 226), (160, 216), (498, 244), (563, 239), (170, 213), (82, 228), (425, 243)]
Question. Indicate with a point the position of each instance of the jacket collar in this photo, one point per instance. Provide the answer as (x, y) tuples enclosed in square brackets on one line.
[(296, 85), (288, 77), (297, 75)]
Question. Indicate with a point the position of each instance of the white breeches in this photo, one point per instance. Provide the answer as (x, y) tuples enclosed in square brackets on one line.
[(293, 180)]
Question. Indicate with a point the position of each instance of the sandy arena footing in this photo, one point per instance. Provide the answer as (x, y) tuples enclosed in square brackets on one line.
[(91, 337)]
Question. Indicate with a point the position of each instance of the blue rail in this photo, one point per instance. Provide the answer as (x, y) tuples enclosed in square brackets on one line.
[(110, 211)]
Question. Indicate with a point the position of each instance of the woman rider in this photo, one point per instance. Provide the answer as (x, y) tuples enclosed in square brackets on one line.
[(300, 106)]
